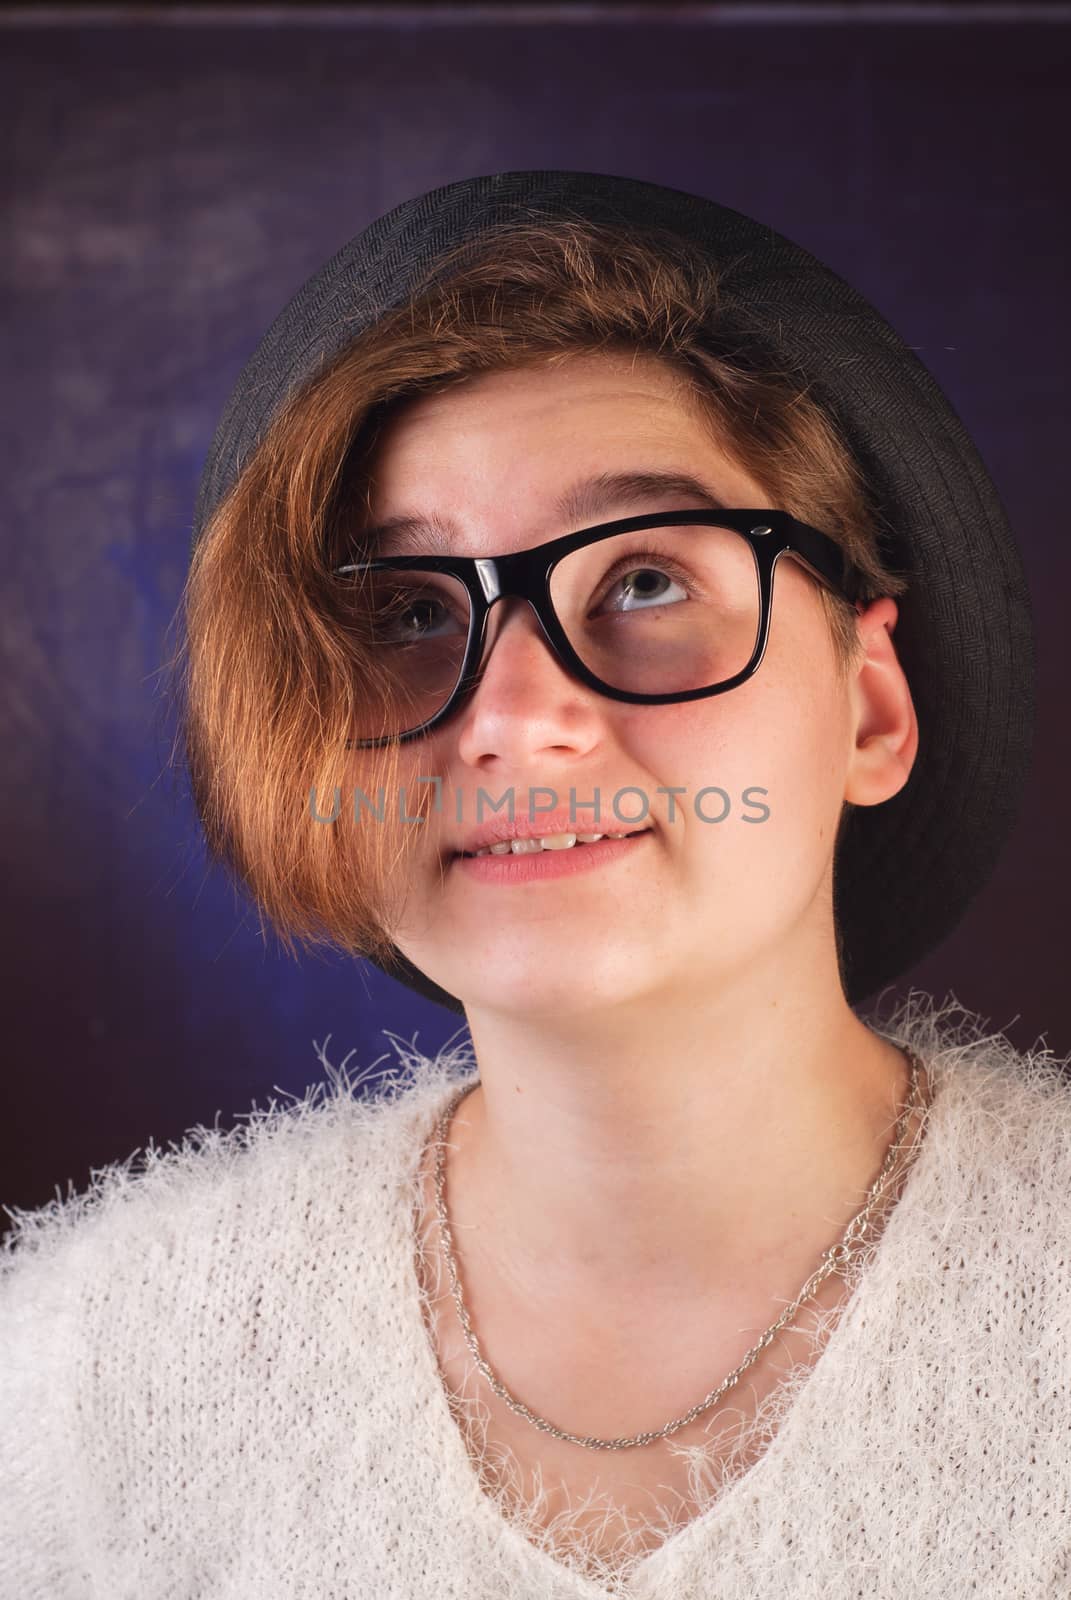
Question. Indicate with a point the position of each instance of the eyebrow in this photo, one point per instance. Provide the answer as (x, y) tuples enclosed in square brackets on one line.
[(582, 502)]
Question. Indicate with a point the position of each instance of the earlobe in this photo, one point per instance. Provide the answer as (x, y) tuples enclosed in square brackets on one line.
[(880, 767)]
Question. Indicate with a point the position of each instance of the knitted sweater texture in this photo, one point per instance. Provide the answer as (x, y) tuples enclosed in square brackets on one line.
[(216, 1382)]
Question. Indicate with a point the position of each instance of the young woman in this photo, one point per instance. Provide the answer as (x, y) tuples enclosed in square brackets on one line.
[(544, 644)]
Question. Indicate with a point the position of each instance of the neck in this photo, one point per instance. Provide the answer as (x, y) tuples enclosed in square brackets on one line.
[(672, 1147)]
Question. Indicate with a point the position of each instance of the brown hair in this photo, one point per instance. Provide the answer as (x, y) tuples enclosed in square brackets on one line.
[(270, 676)]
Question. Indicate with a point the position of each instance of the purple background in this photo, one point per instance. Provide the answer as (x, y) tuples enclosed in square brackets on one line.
[(173, 186)]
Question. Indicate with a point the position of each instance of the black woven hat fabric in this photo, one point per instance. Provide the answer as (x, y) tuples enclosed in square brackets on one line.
[(910, 866)]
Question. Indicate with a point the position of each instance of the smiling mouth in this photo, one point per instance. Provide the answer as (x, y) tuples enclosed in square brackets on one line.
[(558, 841)]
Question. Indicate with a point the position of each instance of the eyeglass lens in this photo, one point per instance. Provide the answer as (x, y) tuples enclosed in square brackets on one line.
[(656, 611)]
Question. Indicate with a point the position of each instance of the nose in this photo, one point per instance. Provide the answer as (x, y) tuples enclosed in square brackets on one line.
[(525, 701), (516, 651), (511, 616)]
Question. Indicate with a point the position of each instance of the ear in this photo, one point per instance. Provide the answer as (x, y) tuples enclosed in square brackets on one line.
[(885, 727)]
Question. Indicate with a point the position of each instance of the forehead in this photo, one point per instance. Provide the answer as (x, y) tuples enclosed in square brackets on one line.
[(546, 450), (635, 383)]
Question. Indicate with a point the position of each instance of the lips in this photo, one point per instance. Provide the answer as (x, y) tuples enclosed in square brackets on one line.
[(499, 831), (528, 869), (533, 845)]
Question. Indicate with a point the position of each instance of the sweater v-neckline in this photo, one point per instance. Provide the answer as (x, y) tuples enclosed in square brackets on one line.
[(803, 1399)]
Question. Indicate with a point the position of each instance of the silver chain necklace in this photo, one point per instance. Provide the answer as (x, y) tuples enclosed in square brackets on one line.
[(837, 1256)]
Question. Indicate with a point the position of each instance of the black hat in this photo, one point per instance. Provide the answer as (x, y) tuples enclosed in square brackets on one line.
[(907, 868)]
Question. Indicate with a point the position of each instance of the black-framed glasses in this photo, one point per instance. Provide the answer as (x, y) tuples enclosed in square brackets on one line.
[(653, 610)]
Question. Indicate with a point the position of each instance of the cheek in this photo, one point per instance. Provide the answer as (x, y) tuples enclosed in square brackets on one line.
[(771, 747)]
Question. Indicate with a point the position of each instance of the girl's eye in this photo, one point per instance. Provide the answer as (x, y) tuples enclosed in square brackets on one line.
[(643, 581), (418, 620), (412, 618)]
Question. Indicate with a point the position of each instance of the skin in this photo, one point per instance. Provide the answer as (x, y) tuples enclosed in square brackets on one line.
[(679, 1111)]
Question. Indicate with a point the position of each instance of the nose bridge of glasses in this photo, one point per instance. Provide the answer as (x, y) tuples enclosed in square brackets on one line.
[(487, 573), (501, 607), (503, 580)]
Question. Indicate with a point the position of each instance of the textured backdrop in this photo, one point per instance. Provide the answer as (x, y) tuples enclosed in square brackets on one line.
[(173, 182)]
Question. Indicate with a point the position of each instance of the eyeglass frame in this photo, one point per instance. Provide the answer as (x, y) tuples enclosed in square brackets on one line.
[(526, 574)]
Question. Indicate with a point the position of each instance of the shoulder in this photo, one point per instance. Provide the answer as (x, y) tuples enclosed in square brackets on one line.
[(988, 1079), (272, 1170), (999, 1125), (140, 1317), (977, 1297)]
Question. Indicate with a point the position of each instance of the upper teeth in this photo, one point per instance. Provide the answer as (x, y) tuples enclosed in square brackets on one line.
[(549, 841)]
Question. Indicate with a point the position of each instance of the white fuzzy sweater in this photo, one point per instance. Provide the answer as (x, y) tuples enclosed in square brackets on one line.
[(216, 1384)]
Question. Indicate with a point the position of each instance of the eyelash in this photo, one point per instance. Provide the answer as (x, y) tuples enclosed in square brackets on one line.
[(635, 559)]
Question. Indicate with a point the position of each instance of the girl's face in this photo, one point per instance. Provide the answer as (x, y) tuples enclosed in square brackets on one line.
[(693, 904)]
